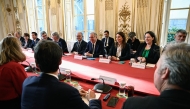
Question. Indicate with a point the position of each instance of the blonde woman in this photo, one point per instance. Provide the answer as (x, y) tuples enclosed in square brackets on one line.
[(12, 74)]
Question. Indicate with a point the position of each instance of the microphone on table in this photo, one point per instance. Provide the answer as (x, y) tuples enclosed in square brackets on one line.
[(29, 68), (101, 87)]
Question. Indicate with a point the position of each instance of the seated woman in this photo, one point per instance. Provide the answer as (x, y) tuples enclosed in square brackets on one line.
[(120, 50), (133, 42), (12, 74), (27, 41), (148, 52)]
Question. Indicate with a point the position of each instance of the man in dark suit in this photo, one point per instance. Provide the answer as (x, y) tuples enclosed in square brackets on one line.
[(61, 42), (94, 47), (171, 78), (20, 38), (80, 45), (35, 40), (46, 91), (108, 41), (44, 36)]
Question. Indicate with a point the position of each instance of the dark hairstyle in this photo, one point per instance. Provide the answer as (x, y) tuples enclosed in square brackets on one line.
[(124, 39), (47, 56), (132, 34), (34, 33), (27, 35), (152, 35), (181, 31), (106, 31)]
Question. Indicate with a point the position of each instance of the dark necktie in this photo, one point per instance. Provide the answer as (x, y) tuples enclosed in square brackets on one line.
[(93, 48), (106, 42), (78, 46)]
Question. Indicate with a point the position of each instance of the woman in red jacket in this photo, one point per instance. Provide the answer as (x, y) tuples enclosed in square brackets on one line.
[(12, 74)]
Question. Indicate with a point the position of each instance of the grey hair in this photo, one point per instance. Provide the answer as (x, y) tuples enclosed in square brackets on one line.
[(42, 32), (181, 31), (80, 33), (56, 34), (94, 34), (176, 58)]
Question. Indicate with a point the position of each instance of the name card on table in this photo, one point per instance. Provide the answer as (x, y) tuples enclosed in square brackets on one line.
[(108, 80), (138, 65), (102, 60), (77, 57)]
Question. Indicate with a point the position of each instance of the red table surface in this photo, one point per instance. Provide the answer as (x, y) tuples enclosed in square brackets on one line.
[(141, 79)]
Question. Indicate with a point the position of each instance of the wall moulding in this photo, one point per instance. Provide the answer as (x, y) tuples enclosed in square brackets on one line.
[(124, 19)]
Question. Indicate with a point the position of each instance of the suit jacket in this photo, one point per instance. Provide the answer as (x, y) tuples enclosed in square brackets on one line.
[(46, 92), (169, 99), (110, 43), (22, 40), (80, 49), (34, 43), (63, 45), (134, 45), (125, 52), (49, 39), (99, 48), (29, 43), (154, 53)]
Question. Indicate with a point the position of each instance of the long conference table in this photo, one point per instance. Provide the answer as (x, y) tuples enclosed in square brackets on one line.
[(84, 70)]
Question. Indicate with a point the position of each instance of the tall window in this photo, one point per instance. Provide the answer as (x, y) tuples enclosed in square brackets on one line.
[(40, 15), (84, 17), (36, 15), (178, 18)]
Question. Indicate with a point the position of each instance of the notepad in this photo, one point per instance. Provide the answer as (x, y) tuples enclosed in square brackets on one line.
[(87, 102)]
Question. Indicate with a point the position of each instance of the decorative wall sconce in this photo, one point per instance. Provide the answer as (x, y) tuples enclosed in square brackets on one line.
[(8, 9), (124, 17), (101, 34)]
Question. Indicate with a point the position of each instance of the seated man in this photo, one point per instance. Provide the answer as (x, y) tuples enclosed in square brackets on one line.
[(94, 47), (179, 37), (80, 45), (171, 78), (35, 39), (108, 41), (45, 91), (61, 42), (44, 36), (19, 37)]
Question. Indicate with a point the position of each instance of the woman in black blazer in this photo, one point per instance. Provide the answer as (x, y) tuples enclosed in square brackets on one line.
[(27, 43), (120, 50), (148, 52)]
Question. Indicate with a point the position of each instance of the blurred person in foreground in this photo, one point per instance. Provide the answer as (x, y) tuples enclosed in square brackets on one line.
[(12, 73), (172, 80), (46, 91)]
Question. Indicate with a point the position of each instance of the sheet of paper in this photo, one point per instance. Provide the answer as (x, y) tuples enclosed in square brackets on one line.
[(150, 65), (87, 102)]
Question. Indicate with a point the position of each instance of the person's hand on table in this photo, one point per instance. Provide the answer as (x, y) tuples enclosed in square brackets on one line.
[(139, 58), (88, 94), (82, 92), (114, 58), (143, 59), (88, 54), (76, 53)]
